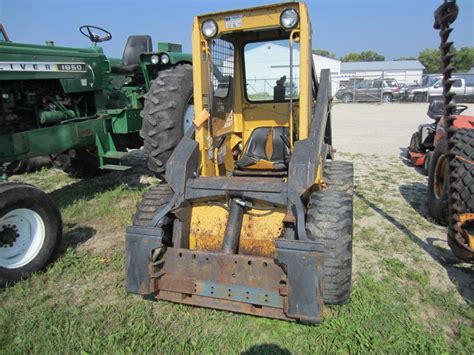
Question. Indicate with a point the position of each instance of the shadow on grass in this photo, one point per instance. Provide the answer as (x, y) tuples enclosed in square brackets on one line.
[(415, 194), (269, 349), (87, 189), (75, 236), (457, 274)]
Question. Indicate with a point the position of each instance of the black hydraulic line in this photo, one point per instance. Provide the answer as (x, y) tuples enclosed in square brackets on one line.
[(234, 225)]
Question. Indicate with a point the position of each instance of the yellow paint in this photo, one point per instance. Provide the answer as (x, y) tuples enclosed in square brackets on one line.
[(463, 219), (259, 229), (235, 115)]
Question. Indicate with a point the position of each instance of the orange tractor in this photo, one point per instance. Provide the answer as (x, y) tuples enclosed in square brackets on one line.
[(445, 149)]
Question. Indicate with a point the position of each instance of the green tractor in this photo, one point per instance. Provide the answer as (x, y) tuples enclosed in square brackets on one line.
[(83, 111)]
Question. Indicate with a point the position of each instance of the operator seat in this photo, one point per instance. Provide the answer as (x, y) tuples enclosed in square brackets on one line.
[(267, 151), (135, 46)]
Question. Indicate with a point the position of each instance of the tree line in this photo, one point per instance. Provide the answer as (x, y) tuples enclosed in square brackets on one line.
[(463, 58)]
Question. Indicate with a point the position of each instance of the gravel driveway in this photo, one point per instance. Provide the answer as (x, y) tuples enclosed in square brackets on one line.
[(380, 129)]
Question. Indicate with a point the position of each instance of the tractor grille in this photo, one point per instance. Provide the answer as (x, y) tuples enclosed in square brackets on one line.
[(222, 60)]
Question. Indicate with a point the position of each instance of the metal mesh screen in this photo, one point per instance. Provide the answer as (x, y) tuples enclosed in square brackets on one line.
[(222, 66)]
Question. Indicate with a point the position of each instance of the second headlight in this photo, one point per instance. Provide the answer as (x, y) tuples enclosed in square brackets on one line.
[(164, 58)]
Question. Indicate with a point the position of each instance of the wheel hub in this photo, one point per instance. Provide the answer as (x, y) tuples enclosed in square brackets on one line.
[(8, 235)]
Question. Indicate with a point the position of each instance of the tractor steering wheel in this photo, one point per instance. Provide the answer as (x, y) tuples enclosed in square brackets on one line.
[(460, 109), (94, 37)]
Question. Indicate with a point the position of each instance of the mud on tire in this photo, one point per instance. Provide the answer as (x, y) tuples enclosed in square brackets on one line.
[(330, 220), (165, 106)]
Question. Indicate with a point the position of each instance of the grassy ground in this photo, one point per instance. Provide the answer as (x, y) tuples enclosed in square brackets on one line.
[(409, 293)]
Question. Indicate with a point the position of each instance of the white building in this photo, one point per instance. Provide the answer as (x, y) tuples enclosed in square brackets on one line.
[(334, 65), (404, 71), (268, 62)]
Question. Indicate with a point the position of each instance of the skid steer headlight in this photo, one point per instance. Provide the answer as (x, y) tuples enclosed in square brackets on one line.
[(289, 18), (154, 59), (165, 58), (209, 28)]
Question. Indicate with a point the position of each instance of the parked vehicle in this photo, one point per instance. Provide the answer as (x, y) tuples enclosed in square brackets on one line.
[(418, 93), (446, 149), (254, 218), (463, 87), (370, 90), (78, 104)]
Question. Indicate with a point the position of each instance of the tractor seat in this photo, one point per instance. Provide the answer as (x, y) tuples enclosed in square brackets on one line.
[(135, 46), (267, 150)]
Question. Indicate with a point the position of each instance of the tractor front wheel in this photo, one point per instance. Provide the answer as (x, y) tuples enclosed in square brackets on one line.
[(30, 231), (168, 112), (438, 183), (330, 220)]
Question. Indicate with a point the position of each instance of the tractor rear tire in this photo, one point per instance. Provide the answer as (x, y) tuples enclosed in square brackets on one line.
[(30, 231), (462, 184), (153, 200), (438, 183), (330, 220), (339, 175), (166, 104)]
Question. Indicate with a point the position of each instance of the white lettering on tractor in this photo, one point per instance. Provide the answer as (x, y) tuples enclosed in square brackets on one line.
[(43, 67)]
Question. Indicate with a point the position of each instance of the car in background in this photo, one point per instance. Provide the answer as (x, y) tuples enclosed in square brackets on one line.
[(419, 93), (376, 90), (463, 87)]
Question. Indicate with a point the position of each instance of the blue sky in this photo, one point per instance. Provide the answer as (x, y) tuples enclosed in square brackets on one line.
[(390, 27)]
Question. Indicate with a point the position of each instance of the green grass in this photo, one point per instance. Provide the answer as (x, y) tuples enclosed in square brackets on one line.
[(84, 308), (79, 304)]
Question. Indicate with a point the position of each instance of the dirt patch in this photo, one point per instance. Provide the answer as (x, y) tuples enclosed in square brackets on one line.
[(392, 221)]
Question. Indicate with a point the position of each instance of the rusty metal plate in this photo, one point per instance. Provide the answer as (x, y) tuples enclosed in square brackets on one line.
[(244, 279)]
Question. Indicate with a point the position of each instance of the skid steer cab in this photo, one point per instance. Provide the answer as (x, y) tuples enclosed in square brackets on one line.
[(253, 217)]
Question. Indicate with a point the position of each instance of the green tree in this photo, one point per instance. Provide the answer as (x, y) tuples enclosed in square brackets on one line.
[(371, 56), (463, 59), (351, 57), (406, 58), (324, 53), (364, 56), (431, 59)]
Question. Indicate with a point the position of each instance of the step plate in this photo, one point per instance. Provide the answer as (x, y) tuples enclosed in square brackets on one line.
[(115, 167)]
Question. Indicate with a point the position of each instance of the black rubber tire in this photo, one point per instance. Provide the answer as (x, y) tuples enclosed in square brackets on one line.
[(17, 195), (438, 206), (347, 98), (330, 220), (414, 144), (419, 98), (462, 181), (339, 176), (165, 105), (425, 169), (153, 200)]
